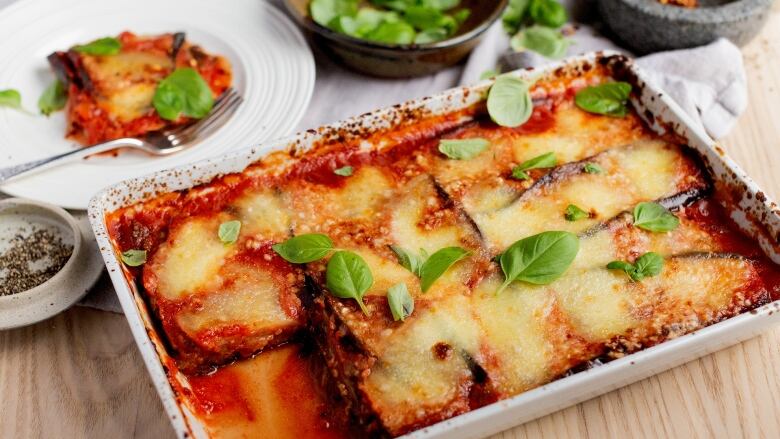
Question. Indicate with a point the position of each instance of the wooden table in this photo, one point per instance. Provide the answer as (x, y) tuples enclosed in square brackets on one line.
[(80, 373)]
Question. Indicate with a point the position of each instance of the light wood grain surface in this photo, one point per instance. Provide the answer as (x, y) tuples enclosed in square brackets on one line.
[(80, 374)]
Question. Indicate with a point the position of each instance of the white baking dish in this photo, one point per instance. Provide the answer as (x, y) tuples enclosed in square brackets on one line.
[(755, 213)]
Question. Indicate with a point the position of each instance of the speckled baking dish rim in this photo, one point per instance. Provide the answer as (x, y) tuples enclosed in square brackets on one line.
[(755, 213)]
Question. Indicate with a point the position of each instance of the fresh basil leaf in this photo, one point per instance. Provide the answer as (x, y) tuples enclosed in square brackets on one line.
[(398, 32), (462, 15), (509, 102), (324, 11), (228, 231), (542, 40), (548, 13), (348, 277), (539, 259), (304, 248), (345, 171), (183, 92), (441, 5), (101, 47), (409, 260), (610, 99), (647, 265), (53, 98), (514, 15), (423, 18), (487, 74), (431, 36), (134, 258), (439, 263), (547, 160), (11, 98), (654, 217), (574, 213), (593, 168), (400, 302), (463, 149)]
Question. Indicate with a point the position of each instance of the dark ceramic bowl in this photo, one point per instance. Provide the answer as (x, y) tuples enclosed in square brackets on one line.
[(401, 61), (649, 26)]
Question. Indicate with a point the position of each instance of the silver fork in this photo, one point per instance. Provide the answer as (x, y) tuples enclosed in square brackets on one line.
[(158, 143)]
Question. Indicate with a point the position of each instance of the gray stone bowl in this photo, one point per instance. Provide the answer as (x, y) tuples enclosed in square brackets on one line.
[(648, 26)]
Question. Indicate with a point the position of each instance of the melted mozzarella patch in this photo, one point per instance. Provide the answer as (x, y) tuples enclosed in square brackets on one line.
[(190, 259), (263, 213)]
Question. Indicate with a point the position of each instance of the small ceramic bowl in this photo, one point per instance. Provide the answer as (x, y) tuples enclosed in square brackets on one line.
[(18, 216), (394, 61), (648, 26)]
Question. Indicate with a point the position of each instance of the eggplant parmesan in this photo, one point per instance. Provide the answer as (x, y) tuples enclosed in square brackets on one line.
[(110, 94), (463, 345)]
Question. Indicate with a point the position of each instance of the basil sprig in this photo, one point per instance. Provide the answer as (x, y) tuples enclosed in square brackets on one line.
[(543, 40), (10, 98), (183, 92), (547, 13), (348, 277), (101, 47), (547, 160), (610, 99), (134, 258), (593, 168), (538, 259), (305, 248), (429, 268), (397, 22), (463, 149), (509, 102), (344, 171), (438, 264), (654, 217), (574, 213), (228, 231), (647, 265), (400, 302), (53, 98)]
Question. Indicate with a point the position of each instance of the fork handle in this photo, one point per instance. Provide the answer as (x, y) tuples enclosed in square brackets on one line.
[(13, 171)]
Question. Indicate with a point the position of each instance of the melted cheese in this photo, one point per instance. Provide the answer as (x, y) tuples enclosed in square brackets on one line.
[(264, 213), (190, 259)]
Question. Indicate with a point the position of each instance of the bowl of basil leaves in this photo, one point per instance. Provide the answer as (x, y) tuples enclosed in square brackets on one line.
[(396, 38)]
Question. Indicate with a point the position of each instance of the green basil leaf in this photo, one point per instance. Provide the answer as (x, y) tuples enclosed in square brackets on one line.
[(439, 263), (462, 15), (134, 258), (431, 36), (348, 277), (548, 13), (398, 32), (423, 18), (539, 259), (514, 15), (100, 47), (441, 5), (593, 168), (487, 74), (463, 149), (610, 99), (542, 40), (647, 265), (323, 11), (183, 92), (228, 231), (11, 98), (304, 248), (574, 213), (53, 98), (400, 302), (547, 160), (345, 171), (509, 102), (654, 217), (408, 260)]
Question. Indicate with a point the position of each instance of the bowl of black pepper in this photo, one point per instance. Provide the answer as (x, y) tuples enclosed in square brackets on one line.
[(40, 248)]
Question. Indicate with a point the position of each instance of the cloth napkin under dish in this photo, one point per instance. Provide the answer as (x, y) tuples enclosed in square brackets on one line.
[(708, 82)]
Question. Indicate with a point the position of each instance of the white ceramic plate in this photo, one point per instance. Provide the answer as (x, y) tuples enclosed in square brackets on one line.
[(273, 69)]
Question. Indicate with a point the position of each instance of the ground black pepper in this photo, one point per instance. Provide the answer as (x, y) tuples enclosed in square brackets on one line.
[(31, 260)]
